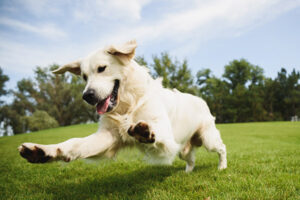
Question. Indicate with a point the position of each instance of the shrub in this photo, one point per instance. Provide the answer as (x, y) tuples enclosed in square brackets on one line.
[(41, 120)]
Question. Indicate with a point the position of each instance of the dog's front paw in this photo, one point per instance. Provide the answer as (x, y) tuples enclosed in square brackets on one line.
[(32, 153), (142, 133)]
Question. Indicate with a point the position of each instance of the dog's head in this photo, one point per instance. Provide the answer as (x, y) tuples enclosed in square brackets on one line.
[(103, 73)]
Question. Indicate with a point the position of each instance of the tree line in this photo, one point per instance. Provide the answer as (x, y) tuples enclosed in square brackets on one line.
[(242, 94)]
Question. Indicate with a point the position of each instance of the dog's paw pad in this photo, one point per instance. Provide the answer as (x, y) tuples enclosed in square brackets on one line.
[(34, 155), (130, 131), (141, 132)]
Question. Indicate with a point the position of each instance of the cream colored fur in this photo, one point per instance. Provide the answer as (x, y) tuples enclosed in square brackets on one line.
[(180, 121)]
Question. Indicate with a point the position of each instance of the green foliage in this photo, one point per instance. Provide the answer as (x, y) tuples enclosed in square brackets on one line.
[(174, 74), (12, 118), (287, 93), (246, 95), (239, 72), (263, 163), (3, 79), (141, 61), (41, 120), (3, 108)]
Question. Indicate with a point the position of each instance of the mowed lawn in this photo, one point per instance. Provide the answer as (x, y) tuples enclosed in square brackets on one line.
[(263, 163)]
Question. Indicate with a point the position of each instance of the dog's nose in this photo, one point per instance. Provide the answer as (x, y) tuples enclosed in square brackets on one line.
[(90, 97)]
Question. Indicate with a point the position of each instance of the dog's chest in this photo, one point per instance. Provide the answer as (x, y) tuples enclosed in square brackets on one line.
[(121, 125)]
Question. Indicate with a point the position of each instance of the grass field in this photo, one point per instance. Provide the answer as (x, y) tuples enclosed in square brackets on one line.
[(263, 163)]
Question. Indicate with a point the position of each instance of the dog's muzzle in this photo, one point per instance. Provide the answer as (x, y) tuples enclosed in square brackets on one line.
[(103, 105), (90, 97)]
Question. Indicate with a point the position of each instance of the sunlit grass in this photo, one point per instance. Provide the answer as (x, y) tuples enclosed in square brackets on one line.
[(263, 161)]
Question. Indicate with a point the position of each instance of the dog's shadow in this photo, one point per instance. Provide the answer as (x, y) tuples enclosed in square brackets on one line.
[(126, 185)]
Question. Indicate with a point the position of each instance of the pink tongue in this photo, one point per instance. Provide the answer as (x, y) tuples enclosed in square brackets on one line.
[(103, 107)]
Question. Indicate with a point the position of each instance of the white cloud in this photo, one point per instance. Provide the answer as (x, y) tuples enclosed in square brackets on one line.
[(111, 10), (120, 8), (185, 30), (22, 58), (46, 30), (40, 7), (208, 19), (181, 26), (84, 10)]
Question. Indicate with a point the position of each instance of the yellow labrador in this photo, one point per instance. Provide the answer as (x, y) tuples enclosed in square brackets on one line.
[(135, 110)]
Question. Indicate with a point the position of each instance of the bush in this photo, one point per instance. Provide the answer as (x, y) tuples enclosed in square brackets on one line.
[(41, 120)]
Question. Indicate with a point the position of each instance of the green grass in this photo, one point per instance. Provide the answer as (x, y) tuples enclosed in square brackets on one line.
[(263, 163)]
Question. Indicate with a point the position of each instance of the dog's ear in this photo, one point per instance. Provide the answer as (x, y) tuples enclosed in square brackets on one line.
[(124, 52), (73, 67)]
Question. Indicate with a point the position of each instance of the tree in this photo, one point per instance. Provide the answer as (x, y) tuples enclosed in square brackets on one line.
[(141, 61), (293, 96), (3, 79), (3, 108), (270, 90), (215, 92), (245, 82), (287, 94), (237, 72), (174, 74)]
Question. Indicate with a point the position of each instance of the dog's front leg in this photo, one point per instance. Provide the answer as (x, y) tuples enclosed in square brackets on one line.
[(158, 137), (142, 132), (93, 145)]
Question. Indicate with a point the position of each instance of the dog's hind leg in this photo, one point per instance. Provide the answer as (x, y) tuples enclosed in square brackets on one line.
[(212, 141), (97, 144), (189, 150), (188, 154)]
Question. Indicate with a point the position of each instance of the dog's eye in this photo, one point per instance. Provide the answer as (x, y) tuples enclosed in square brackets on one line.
[(84, 77), (101, 69)]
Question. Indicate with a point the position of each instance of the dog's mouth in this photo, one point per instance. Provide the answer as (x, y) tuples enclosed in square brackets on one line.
[(107, 104)]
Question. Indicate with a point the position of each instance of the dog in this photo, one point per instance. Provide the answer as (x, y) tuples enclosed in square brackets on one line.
[(135, 110)]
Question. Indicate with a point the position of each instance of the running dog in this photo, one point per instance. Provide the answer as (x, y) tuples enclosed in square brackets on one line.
[(136, 111)]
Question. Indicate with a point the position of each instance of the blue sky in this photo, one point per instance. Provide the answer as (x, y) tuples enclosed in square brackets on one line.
[(208, 33)]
